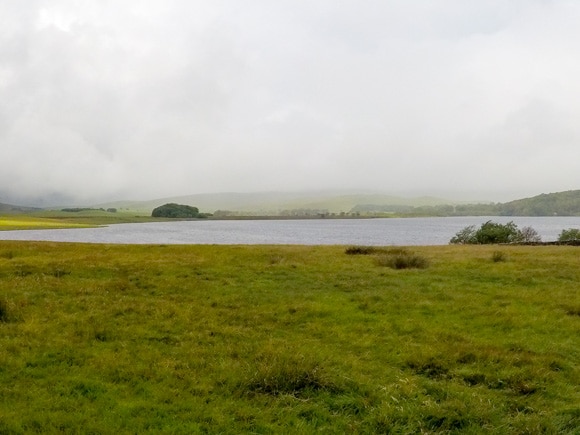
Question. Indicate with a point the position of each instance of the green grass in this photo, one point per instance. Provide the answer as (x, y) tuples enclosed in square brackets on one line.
[(53, 219), (35, 223), (287, 339)]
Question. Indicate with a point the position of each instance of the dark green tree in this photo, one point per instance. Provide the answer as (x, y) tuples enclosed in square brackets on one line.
[(172, 210)]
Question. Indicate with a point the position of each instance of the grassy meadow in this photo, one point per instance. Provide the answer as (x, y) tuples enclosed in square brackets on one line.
[(8, 223), (288, 339), (53, 219)]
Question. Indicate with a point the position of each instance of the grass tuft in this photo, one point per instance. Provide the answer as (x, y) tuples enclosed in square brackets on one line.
[(568, 420), (59, 270), (275, 259), (289, 375), (431, 368), (498, 257), (403, 260), (572, 310), (9, 312), (23, 270), (4, 311), (360, 250), (446, 423), (473, 379), (8, 255), (373, 250)]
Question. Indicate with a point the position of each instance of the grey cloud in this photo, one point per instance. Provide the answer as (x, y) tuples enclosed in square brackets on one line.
[(143, 99)]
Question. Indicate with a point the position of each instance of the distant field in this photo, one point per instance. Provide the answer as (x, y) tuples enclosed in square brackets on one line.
[(288, 339), (31, 223), (52, 219)]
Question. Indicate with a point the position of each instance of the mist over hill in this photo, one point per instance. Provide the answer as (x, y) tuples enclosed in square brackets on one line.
[(551, 204), (268, 203), (275, 203), (334, 202), (9, 208)]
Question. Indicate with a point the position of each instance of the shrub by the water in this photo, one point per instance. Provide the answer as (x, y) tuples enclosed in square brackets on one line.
[(529, 235), (493, 232), (569, 234)]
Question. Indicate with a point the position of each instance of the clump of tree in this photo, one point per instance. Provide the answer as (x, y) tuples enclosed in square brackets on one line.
[(493, 232), (179, 211), (571, 234)]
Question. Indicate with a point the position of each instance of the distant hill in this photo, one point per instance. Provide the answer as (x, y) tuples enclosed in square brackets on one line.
[(288, 203), (547, 204), (276, 202), (9, 208), (272, 203), (550, 204)]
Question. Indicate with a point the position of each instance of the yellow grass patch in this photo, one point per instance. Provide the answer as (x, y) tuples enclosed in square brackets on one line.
[(27, 223)]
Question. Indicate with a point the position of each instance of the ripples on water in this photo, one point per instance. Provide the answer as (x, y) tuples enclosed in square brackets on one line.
[(378, 232)]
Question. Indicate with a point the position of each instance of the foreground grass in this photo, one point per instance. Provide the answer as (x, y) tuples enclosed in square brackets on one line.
[(262, 339)]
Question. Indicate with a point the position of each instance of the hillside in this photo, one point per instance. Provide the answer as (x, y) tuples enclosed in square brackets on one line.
[(271, 203), (9, 208), (291, 203), (550, 204)]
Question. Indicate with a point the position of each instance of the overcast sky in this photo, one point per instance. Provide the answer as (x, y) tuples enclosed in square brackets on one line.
[(140, 99)]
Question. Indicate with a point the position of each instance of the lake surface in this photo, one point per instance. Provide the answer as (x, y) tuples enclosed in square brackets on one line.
[(377, 232)]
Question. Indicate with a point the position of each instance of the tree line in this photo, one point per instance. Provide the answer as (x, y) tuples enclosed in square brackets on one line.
[(494, 233), (551, 204)]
